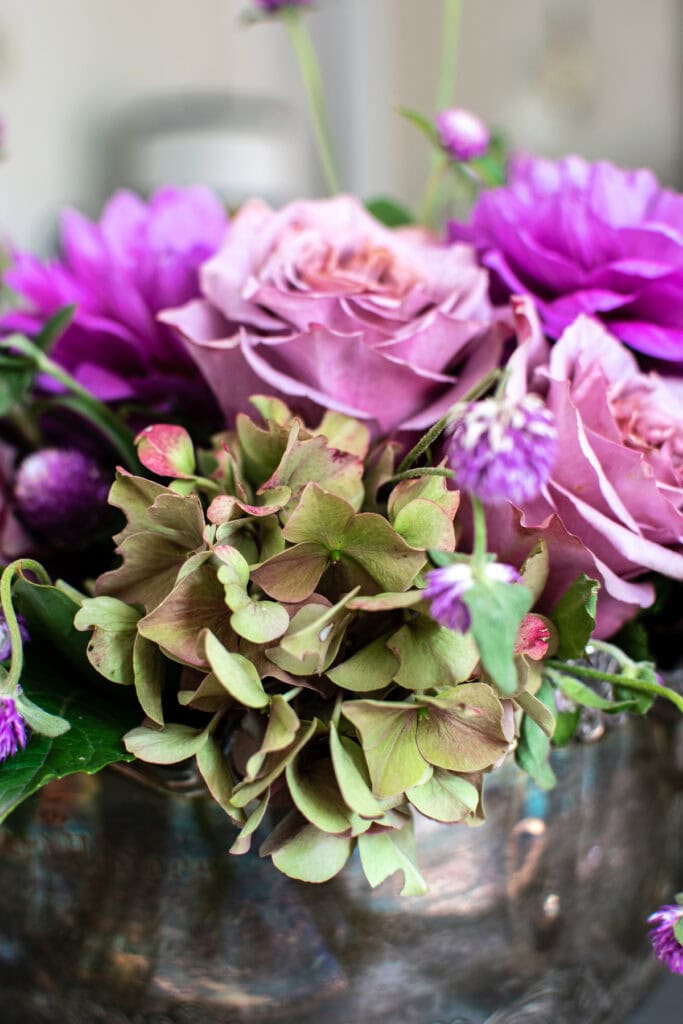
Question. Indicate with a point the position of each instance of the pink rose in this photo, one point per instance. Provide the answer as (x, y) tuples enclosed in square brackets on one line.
[(322, 305), (614, 505)]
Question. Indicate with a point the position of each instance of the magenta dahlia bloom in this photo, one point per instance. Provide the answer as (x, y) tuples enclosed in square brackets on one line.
[(587, 238), (12, 728), (447, 585), (138, 259), (502, 450), (667, 947), (463, 135)]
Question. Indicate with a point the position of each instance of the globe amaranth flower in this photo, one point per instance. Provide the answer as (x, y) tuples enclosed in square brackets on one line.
[(277, 5), (662, 935), (447, 585), (139, 258), (587, 238), (5, 639), (502, 450), (12, 728), (61, 496), (463, 135), (321, 304), (612, 507)]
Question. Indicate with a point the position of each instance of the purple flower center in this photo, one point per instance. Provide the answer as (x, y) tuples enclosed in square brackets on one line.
[(502, 450), (447, 585), (12, 729)]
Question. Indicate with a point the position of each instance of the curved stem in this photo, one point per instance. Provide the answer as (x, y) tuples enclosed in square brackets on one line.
[(479, 523), (310, 72), (82, 401), (624, 681), (10, 682)]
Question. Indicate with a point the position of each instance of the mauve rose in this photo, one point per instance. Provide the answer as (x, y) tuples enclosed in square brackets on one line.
[(321, 304), (587, 238), (613, 507)]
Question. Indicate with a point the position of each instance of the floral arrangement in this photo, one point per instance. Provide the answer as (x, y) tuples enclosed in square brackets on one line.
[(391, 500)]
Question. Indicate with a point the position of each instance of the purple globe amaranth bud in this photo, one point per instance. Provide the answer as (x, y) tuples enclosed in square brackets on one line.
[(502, 450), (277, 5), (61, 494), (447, 585), (5, 639), (12, 728), (662, 935), (463, 135)]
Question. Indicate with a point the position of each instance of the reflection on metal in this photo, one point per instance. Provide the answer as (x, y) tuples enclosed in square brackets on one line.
[(120, 905)]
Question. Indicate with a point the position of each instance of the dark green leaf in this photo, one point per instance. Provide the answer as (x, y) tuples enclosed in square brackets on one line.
[(574, 616), (566, 723), (389, 212), (54, 328), (94, 740), (534, 746)]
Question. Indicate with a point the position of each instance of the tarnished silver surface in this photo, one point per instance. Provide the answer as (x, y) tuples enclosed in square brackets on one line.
[(120, 905)]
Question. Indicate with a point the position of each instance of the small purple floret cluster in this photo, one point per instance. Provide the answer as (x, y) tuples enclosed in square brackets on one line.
[(12, 728), (447, 585), (502, 450), (60, 495), (664, 942)]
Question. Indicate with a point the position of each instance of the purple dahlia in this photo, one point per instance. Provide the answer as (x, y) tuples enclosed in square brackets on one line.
[(664, 938), (587, 238), (120, 272)]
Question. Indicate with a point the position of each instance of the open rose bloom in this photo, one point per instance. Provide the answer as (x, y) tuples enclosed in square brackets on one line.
[(322, 305)]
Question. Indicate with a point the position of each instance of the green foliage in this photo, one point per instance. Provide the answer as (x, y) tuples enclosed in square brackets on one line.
[(497, 610), (389, 212), (574, 616), (533, 747)]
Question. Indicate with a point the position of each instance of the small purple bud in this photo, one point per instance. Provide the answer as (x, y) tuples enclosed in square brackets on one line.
[(663, 938), (12, 728), (61, 494), (502, 450), (276, 5), (447, 585), (5, 640), (463, 135)]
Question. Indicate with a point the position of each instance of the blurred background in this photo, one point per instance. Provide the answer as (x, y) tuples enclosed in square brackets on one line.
[(95, 94)]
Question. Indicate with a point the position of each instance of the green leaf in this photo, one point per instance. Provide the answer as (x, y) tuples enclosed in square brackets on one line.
[(423, 524), (49, 613), (566, 724), (114, 631), (497, 610), (169, 745), (535, 570), (678, 931), (292, 575), (242, 843), (445, 797), (314, 636), (388, 733), (16, 377), (384, 853), (345, 433), (463, 730), (93, 741), (273, 766), (148, 672), (313, 788), (260, 621), (541, 714), (311, 855), (389, 212), (432, 656), (371, 668), (234, 672), (283, 725), (311, 460), (534, 746), (53, 328), (352, 775), (423, 124), (574, 616), (216, 774)]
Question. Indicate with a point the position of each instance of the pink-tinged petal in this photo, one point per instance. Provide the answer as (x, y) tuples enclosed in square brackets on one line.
[(166, 450), (533, 638), (532, 348)]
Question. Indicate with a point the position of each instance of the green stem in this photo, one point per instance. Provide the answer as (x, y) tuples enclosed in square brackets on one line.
[(80, 400), (624, 681), (479, 523), (310, 72), (428, 439), (429, 202), (412, 474), (452, 16), (10, 682)]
